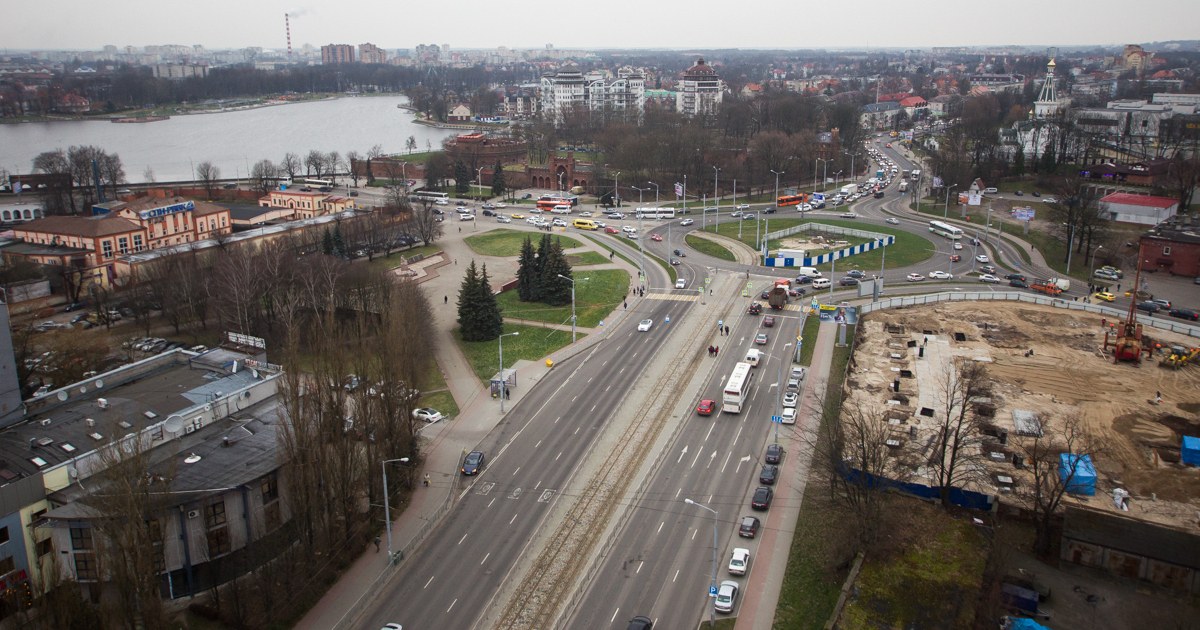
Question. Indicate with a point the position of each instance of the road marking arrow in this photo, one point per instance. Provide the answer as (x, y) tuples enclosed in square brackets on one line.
[(681, 455)]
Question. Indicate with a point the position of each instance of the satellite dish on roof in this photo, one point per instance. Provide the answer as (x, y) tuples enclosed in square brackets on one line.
[(62, 396), (173, 424)]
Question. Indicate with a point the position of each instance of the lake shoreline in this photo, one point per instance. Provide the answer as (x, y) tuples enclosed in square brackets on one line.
[(222, 110)]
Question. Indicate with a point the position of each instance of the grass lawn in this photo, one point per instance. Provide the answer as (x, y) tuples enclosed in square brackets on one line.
[(383, 263), (705, 246), (809, 591), (595, 298), (532, 344), (909, 249), (434, 378), (583, 259), (443, 401), (505, 242), (811, 326)]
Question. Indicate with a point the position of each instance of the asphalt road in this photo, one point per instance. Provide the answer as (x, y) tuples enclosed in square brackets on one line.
[(661, 565), (531, 454)]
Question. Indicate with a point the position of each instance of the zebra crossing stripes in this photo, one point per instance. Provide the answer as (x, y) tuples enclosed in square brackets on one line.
[(672, 296)]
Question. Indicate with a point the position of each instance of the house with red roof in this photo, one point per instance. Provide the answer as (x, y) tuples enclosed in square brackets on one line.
[(1138, 209), (915, 106)]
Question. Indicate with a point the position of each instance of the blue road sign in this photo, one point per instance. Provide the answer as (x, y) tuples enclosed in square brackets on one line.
[(712, 591), (776, 418)]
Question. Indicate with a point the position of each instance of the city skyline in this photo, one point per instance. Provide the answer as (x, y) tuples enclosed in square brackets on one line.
[(224, 24)]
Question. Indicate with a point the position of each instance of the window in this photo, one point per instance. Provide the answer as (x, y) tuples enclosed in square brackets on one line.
[(106, 246), (137, 243), (214, 514), (218, 541), (7, 565), (123, 244), (222, 221), (270, 488), (3, 535), (81, 538), (85, 566), (1166, 251), (156, 543), (45, 547)]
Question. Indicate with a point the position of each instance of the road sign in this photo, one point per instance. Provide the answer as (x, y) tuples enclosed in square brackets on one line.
[(602, 323), (720, 322), (712, 591), (708, 281), (745, 293), (776, 418), (668, 319)]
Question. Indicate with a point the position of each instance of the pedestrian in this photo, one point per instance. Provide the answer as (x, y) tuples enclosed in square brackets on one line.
[(377, 541), (710, 351), (1118, 287), (506, 396), (717, 351), (1103, 322), (726, 331), (426, 480), (1158, 398), (627, 306), (445, 299), (455, 261), (460, 229)]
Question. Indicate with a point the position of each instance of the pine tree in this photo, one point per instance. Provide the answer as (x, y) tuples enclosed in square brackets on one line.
[(339, 242), (327, 243), (1018, 167), (498, 183), (543, 253), (462, 177), (556, 291), (488, 315), (468, 311), (527, 273), (1048, 163)]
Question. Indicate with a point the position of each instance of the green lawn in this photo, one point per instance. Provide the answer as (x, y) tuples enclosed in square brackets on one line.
[(505, 242), (443, 401), (809, 591), (908, 249), (595, 298), (532, 344), (434, 379), (584, 259), (383, 263), (705, 246), (811, 326)]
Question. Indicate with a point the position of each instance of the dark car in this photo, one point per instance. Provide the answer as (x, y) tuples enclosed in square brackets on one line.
[(754, 309), (802, 280), (769, 321), (460, 203), (770, 210), (679, 253), (706, 407), (1019, 193), (768, 475), (488, 213), (675, 261), (640, 623), (1037, 194), (765, 294), (847, 281), (796, 293), (353, 193), (1149, 307), (955, 258), (879, 194), (473, 463), (526, 196), (749, 527), (1015, 276), (762, 498), (1184, 313), (1020, 284), (774, 454), (854, 273), (74, 306)]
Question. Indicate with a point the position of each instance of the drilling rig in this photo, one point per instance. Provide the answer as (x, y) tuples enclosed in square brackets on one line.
[(1129, 343)]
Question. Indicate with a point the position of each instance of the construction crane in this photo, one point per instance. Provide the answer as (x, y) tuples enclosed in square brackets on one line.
[(1129, 343)]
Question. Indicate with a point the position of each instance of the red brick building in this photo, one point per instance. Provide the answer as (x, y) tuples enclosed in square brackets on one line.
[(1172, 246), (560, 174)]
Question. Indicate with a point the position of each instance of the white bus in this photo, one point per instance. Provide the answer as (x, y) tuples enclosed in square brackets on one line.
[(945, 229), (914, 176), (319, 182), (428, 195), (656, 213), (737, 388)]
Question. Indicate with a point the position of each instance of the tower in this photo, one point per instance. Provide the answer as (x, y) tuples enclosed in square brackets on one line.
[(287, 25), (1047, 103)]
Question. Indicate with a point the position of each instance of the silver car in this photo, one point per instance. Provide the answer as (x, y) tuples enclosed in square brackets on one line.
[(727, 596)]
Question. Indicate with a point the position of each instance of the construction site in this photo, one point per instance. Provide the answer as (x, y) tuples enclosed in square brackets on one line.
[(1134, 390)]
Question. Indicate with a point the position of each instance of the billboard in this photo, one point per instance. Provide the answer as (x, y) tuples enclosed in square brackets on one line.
[(678, 189), (974, 199), (1023, 214)]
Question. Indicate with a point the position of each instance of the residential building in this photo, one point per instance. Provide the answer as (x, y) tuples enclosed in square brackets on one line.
[(519, 103), (1175, 99), (563, 91), (178, 71), (306, 205), (73, 104), (1138, 209), (569, 89), (1173, 246), (370, 53), (459, 113), (337, 53), (700, 90), (915, 106), (946, 105), (880, 115)]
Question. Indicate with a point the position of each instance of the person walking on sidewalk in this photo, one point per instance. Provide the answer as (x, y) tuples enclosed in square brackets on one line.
[(377, 541)]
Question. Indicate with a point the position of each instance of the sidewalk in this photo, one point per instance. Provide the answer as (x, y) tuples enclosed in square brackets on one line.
[(770, 562)]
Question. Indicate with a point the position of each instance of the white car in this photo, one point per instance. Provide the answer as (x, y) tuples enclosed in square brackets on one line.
[(1049, 200), (848, 215), (560, 223), (726, 596), (789, 415), (797, 373), (686, 222), (804, 207), (442, 202), (427, 414), (681, 283), (501, 205), (915, 277), (533, 220), (893, 220), (987, 277), (743, 206), (940, 275), (740, 561), (500, 218), (466, 217), (983, 259), (645, 325), (789, 399), (958, 246), (629, 229), (535, 210)]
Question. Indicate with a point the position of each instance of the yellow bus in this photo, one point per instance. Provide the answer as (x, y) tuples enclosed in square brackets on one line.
[(585, 224)]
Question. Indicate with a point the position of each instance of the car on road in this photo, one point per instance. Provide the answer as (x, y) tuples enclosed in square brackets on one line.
[(748, 216), (761, 339), (500, 218), (489, 206), (534, 221), (790, 399), (915, 277), (680, 253), (847, 281), (427, 414), (940, 275), (681, 283), (1019, 193), (501, 205), (559, 223), (353, 193), (987, 277), (1037, 194), (743, 206), (768, 474), (656, 238), (686, 222), (645, 325), (765, 294), (1162, 303), (855, 273), (1019, 284), (460, 203), (768, 321), (754, 309), (958, 246), (748, 527), (740, 561), (517, 215), (527, 196), (706, 407), (1106, 296), (615, 215), (628, 229), (735, 213), (848, 215), (983, 259), (473, 463), (1113, 270), (1104, 274), (726, 596), (774, 454), (1149, 307), (611, 230), (988, 269), (640, 623), (488, 213), (762, 498), (1184, 313), (893, 221), (1015, 276), (795, 293), (674, 261), (955, 258)]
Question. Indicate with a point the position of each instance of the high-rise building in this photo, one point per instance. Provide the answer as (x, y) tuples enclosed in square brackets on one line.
[(337, 53), (370, 53), (700, 91), (568, 88)]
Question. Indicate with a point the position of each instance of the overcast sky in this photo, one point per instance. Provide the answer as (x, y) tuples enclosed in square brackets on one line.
[(702, 24)]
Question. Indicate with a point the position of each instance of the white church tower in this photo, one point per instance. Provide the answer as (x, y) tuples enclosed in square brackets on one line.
[(1047, 104)]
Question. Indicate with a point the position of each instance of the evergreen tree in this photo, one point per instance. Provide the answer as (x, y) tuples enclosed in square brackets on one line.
[(1018, 167), (527, 272), (462, 177), (339, 242), (1048, 163), (543, 253), (468, 311), (556, 291), (498, 182), (327, 243), (488, 316)]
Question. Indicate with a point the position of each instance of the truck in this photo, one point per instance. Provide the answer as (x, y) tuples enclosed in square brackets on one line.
[(903, 186), (779, 294), (1047, 288), (1061, 283), (879, 174), (849, 189)]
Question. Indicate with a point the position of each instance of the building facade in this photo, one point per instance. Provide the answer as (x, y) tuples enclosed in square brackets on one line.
[(700, 90), (337, 53), (1138, 209), (305, 205), (370, 53), (1172, 246), (568, 89)]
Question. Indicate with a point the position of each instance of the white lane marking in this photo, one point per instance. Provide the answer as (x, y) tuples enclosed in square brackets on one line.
[(485, 558), (640, 565), (710, 430), (593, 407), (452, 604), (698, 451), (634, 356), (604, 364), (538, 444), (740, 462), (557, 419), (491, 502), (614, 615), (622, 371), (539, 483), (660, 526), (676, 575), (681, 454), (559, 455), (427, 583), (711, 459), (576, 431), (608, 388), (573, 399), (739, 435), (709, 501), (510, 521), (694, 533), (678, 491), (515, 471), (727, 456), (465, 535)]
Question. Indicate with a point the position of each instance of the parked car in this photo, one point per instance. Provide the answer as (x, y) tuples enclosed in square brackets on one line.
[(774, 454), (988, 269), (790, 399), (739, 562), (748, 527), (427, 414), (762, 498), (1184, 313), (489, 206), (726, 596), (1162, 303), (768, 474)]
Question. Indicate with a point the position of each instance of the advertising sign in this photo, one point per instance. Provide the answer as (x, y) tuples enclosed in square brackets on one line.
[(678, 189), (818, 197), (1023, 214), (165, 210), (962, 198), (974, 199)]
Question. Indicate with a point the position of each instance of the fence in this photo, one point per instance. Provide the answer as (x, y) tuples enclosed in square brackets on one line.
[(958, 496), (878, 240), (1107, 311)]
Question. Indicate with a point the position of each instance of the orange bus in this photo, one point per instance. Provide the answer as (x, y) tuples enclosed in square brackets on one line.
[(792, 200), (546, 205)]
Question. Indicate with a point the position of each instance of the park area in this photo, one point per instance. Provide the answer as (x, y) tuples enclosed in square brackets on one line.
[(532, 344), (597, 293), (503, 243)]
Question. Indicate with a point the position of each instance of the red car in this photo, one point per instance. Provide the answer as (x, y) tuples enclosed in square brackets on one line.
[(706, 407), (768, 321), (612, 230), (655, 237)]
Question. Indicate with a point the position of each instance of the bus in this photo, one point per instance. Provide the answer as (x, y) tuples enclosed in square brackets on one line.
[(328, 183), (737, 388), (792, 200), (914, 176), (945, 229), (547, 205), (428, 195), (656, 213), (570, 200)]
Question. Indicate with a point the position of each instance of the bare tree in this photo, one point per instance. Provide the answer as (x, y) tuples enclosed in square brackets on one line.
[(237, 284), (1045, 492), (58, 195), (352, 159), (955, 457), (208, 174), (263, 176), (291, 165), (426, 224), (314, 164), (148, 175)]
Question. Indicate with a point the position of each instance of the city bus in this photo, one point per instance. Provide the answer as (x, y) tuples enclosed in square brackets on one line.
[(547, 205), (319, 182), (428, 195), (914, 176), (792, 200), (945, 229), (656, 213), (737, 388), (570, 200)]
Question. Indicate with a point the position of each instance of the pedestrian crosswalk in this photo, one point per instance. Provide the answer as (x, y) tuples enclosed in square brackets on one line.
[(672, 296)]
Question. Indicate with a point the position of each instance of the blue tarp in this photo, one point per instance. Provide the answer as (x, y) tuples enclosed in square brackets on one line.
[(1190, 452), (957, 496), (1024, 624), (1078, 473)]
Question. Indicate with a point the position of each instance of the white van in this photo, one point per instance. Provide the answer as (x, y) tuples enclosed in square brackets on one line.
[(810, 272), (990, 191), (752, 357), (820, 283)]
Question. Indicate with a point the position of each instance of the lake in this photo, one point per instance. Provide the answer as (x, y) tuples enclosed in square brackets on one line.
[(232, 140)]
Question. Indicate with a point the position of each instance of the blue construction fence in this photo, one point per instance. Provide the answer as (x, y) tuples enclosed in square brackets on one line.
[(958, 496), (879, 240)]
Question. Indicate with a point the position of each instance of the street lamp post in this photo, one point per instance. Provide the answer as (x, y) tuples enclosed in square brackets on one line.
[(946, 211), (387, 508), (655, 192), (1092, 273), (717, 188), (779, 387), (479, 180), (616, 188), (503, 380), (572, 281), (712, 615), (1071, 246), (825, 164), (777, 174)]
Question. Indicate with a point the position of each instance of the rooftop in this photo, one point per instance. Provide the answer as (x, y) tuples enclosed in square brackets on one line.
[(1140, 200)]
